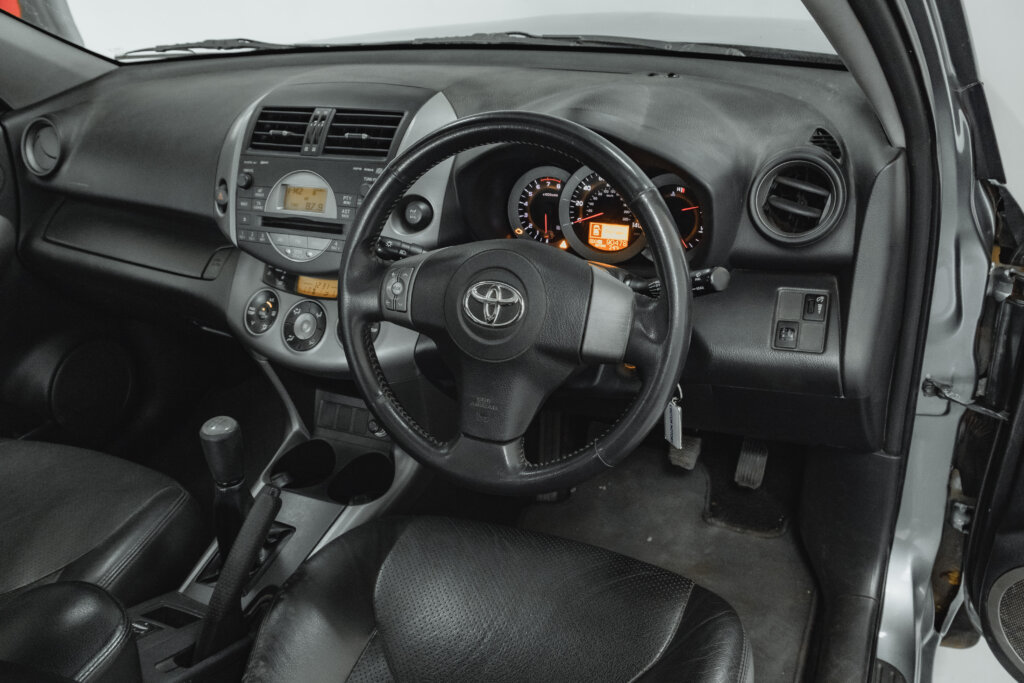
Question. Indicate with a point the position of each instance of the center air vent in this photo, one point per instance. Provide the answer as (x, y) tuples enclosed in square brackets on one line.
[(281, 129), (362, 133), (798, 198)]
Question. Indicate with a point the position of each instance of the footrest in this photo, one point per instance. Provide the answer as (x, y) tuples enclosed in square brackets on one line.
[(750, 468), (686, 456)]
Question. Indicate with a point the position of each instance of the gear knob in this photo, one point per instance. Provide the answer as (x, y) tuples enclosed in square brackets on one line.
[(221, 438)]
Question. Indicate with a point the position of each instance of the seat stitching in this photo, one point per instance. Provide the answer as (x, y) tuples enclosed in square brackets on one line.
[(668, 641), (115, 572), (59, 570), (120, 635), (743, 664), (373, 634)]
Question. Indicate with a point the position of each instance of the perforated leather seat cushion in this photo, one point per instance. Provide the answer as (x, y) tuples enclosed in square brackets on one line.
[(76, 515), (444, 600)]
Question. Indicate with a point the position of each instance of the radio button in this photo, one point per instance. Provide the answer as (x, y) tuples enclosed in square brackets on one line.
[(318, 243), (243, 204), (245, 219), (279, 239), (260, 192), (259, 204), (348, 200)]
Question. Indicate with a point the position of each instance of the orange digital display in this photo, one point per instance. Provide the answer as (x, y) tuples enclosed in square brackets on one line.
[(608, 236), (314, 286), (312, 199)]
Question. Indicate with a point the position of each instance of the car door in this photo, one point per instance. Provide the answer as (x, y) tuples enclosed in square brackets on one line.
[(987, 487)]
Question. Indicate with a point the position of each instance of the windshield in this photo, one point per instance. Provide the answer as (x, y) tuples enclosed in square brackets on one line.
[(116, 27)]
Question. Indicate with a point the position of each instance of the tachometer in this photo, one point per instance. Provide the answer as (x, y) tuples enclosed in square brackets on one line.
[(533, 204), (596, 221)]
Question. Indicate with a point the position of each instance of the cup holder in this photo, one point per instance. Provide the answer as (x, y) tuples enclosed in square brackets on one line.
[(304, 466), (362, 480)]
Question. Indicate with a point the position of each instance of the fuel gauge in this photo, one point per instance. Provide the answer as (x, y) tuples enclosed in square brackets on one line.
[(684, 209)]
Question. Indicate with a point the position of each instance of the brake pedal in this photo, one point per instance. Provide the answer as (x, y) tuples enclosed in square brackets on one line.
[(686, 455), (751, 465)]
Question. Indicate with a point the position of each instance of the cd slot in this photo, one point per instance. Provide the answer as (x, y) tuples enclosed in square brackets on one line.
[(303, 224)]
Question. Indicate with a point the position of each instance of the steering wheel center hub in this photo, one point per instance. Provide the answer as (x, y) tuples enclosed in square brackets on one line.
[(495, 305)]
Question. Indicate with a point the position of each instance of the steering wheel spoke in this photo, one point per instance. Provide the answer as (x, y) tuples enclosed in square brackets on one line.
[(498, 401), (610, 315), (488, 460)]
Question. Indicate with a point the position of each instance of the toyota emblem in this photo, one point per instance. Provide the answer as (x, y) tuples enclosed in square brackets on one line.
[(493, 304)]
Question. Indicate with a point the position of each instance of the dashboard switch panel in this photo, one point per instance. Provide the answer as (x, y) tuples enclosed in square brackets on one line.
[(261, 311), (304, 326), (800, 322)]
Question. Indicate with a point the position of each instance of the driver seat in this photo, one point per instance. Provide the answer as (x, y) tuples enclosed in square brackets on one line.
[(433, 599)]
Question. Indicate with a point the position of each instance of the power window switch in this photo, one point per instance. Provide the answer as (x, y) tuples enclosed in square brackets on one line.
[(786, 334), (815, 307)]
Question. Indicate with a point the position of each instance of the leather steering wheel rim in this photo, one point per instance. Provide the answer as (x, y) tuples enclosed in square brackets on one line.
[(655, 341)]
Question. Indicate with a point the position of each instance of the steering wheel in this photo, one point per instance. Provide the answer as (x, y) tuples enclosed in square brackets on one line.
[(513, 319)]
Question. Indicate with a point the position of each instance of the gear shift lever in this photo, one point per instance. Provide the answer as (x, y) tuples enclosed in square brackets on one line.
[(221, 439)]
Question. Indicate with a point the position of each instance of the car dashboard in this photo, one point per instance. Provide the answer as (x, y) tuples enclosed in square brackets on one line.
[(221, 190)]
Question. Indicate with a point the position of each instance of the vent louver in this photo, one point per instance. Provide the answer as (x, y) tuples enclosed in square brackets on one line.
[(281, 129), (825, 140), (362, 133), (799, 198)]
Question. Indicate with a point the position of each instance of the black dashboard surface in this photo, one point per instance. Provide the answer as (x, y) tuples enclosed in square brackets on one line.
[(130, 213)]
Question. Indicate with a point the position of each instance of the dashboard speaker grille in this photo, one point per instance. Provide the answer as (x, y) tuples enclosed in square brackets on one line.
[(281, 129), (362, 133), (798, 198)]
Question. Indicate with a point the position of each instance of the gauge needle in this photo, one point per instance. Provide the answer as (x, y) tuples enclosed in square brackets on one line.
[(587, 218)]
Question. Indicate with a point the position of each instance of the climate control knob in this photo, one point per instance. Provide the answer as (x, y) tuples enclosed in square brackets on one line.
[(261, 311), (304, 325)]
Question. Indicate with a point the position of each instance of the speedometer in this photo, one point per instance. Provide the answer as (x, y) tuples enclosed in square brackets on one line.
[(533, 204), (596, 221)]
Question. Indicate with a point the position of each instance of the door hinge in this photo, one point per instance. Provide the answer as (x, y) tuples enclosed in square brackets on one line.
[(945, 391), (1004, 281), (961, 515)]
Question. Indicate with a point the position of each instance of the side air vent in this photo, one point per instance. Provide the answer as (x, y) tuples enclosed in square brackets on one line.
[(822, 138), (362, 133), (40, 147), (798, 197), (281, 129)]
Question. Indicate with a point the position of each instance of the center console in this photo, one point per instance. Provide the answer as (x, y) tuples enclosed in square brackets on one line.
[(292, 176)]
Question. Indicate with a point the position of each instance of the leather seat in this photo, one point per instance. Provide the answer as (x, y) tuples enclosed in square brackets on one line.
[(68, 514), (69, 631), (428, 599)]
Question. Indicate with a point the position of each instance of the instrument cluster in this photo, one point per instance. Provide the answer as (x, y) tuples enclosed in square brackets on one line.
[(581, 212)]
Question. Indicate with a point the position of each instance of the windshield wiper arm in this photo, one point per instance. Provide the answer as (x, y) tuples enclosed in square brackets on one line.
[(524, 38), (223, 44)]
